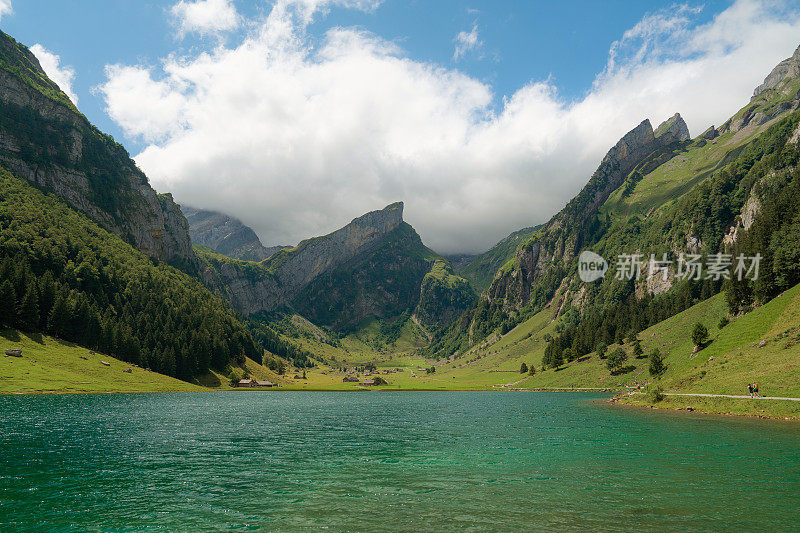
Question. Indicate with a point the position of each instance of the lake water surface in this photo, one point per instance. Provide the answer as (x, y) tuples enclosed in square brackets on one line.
[(394, 461)]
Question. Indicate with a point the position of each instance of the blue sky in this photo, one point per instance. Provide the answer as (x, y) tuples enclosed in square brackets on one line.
[(483, 116), (567, 42)]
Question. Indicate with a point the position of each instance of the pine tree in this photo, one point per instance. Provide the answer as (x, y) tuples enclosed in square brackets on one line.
[(700, 335), (616, 359), (47, 296), (8, 304), (59, 315), (28, 310), (557, 359), (656, 363), (523, 368), (601, 349), (637, 349)]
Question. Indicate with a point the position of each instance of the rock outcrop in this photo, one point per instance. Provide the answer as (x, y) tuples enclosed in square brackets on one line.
[(226, 235), (787, 69), (372, 267), (675, 128), (779, 94), (45, 140), (562, 237)]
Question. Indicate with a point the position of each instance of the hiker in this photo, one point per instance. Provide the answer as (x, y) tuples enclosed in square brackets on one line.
[(750, 388), (755, 389)]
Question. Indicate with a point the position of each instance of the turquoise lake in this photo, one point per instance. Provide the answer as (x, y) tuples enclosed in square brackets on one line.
[(387, 461)]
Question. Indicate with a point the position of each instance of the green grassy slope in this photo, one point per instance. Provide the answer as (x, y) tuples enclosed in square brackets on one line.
[(762, 346), (671, 180), (52, 365)]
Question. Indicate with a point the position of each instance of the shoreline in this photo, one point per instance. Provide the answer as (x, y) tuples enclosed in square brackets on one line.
[(720, 406), (723, 406), (294, 389)]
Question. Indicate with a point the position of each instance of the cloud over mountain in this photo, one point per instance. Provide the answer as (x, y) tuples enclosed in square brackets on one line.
[(296, 137)]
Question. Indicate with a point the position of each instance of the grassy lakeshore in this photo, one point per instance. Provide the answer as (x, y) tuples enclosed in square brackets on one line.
[(777, 409), (50, 365), (762, 346)]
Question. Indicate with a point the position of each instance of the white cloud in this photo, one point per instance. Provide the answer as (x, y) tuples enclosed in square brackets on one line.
[(205, 16), (466, 42), (296, 139), (63, 76), (5, 8)]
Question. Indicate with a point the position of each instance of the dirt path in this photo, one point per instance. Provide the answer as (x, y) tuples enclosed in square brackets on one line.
[(745, 396), (513, 383)]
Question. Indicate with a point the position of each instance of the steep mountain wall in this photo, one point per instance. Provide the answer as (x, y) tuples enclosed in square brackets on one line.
[(372, 267), (45, 140), (559, 241), (276, 282)]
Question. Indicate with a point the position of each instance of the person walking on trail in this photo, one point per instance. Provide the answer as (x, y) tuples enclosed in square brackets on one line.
[(755, 389), (750, 389)]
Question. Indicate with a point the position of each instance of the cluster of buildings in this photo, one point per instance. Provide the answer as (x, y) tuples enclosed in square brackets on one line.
[(252, 383)]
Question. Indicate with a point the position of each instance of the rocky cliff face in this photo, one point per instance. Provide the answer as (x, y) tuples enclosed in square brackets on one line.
[(226, 235), (779, 94), (787, 69), (561, 239), (382, 282), (278, 281), (299, 266), (372, 267), (45, 140)]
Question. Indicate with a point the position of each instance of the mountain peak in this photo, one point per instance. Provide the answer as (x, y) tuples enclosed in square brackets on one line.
[(226, 234), (674, 127), (787, 69), (396, 206), (383, 220)]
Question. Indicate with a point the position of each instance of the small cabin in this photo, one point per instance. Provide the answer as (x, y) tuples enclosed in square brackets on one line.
[(350, 379), (252, 383), (368, 383)]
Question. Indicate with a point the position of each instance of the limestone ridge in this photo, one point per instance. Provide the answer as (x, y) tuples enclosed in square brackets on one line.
[(374, 267), (780, 93), (277, 281), (675, 128), (787, 69), (45, 140), (314, 256), (563, 236), (226, 235)]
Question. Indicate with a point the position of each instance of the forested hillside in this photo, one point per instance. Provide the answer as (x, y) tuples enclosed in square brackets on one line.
[(45, 140), (708, 212), (62, 274), (480, 270)]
